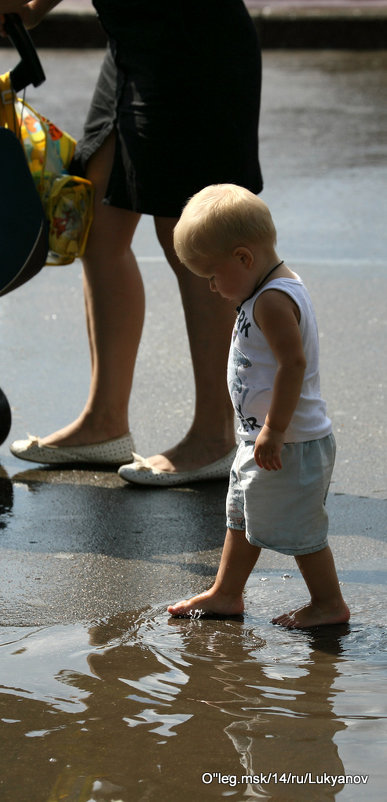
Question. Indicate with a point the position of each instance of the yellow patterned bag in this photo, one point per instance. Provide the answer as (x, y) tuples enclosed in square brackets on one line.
[(67, 200)]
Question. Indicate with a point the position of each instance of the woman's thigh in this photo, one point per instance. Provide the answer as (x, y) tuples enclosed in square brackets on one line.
[(112, 228)]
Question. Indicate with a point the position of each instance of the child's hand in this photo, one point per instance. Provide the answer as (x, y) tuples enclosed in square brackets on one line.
[(267, 449)]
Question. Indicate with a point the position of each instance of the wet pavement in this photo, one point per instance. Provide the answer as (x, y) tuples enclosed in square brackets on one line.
[(323, 152), (92, 670)]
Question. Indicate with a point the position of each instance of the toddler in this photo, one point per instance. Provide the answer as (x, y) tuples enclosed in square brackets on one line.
[(281, 473)]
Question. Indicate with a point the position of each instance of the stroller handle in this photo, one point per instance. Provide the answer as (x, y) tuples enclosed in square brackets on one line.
[(29, 70)]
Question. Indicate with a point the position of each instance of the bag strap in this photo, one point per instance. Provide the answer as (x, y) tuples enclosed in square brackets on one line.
[(7, 104), (29, 70)]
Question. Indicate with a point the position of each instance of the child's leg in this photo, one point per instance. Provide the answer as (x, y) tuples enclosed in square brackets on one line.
[(225, 596), (326, 605)]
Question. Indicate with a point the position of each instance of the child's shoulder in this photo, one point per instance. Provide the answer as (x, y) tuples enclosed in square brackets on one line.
[(279, 299)]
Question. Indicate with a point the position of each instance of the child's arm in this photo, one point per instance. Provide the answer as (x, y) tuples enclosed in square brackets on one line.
[(278, 318)]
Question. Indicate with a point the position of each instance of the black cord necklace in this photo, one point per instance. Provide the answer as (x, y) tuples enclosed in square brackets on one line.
[(267, 275), (261, 282)]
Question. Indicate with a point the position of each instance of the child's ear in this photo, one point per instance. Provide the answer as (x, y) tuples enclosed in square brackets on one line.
[(244, 255)]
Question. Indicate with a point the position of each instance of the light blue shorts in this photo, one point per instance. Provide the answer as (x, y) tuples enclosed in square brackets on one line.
[(283, 510)]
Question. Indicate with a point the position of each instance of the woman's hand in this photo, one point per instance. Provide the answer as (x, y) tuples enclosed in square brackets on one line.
[(31, 12), (12, 6)]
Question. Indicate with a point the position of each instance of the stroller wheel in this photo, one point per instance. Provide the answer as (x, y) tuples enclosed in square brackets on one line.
[(5, 417)]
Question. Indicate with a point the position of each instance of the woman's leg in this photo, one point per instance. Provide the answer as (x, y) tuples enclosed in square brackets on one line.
[(209, 321), (114, 300), (226, 595)]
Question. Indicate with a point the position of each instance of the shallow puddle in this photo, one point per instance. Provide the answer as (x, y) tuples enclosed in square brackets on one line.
[(145, 707)]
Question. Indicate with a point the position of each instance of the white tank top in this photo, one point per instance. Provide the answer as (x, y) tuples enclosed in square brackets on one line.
[(252, 367)]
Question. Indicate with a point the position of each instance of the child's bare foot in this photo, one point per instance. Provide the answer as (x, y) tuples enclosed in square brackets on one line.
[(211, 602), (313, 616)]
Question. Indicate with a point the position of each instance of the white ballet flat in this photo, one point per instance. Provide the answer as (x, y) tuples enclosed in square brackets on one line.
[(110, 452), (142, 473)]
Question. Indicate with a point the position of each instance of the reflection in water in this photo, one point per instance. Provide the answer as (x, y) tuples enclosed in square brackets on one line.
[(6, 497), (142, 707), (290, 735)]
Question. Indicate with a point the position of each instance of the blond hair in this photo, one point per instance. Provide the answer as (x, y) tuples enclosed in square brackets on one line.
[(220, 218)]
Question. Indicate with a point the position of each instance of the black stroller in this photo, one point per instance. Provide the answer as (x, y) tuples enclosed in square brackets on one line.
[(23, 227)]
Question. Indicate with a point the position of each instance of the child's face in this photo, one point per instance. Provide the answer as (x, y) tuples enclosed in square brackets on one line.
[(232, 276)]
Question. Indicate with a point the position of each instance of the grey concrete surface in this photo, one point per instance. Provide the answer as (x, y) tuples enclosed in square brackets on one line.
[(78, 544)]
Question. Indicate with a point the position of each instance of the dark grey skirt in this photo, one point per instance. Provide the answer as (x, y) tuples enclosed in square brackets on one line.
[(180, 85)]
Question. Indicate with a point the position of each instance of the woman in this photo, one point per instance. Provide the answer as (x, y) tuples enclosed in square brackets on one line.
[(176, 107)]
